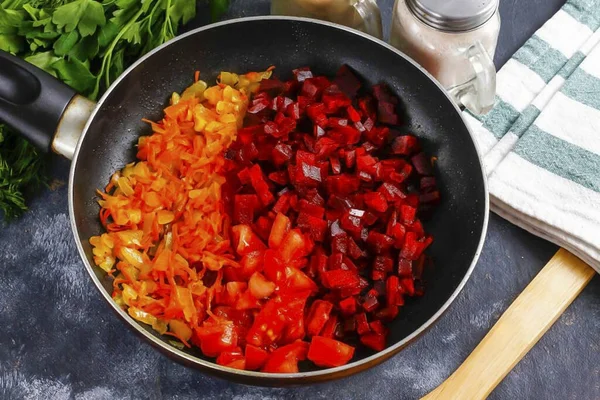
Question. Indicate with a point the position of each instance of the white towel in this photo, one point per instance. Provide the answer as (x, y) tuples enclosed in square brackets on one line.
[(541, 142)]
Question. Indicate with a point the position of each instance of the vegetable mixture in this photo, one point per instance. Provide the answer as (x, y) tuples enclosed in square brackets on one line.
[(269, 222)]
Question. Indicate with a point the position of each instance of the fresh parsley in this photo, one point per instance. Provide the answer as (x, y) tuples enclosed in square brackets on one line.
[(87, 44)]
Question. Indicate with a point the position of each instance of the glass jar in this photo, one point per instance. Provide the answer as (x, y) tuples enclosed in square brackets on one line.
[(363, 15), (455, 41)]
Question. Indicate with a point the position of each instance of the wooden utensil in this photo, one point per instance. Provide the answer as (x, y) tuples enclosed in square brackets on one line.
[(518, 329)]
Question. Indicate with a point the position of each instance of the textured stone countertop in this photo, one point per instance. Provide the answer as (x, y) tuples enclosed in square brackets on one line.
[(60, 340)]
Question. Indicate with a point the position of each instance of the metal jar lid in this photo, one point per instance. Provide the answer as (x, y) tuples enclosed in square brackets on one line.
[(453, 15)]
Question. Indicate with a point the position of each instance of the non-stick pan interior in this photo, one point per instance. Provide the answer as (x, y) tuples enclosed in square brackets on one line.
[(242, 46)]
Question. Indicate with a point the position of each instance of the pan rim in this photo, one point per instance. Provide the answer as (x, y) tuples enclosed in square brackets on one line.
[(310, 376)]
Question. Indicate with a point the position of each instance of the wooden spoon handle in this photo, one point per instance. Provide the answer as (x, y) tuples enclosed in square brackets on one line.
[(518, 329)]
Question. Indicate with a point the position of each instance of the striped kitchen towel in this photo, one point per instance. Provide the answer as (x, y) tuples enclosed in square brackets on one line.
[(540, 144)]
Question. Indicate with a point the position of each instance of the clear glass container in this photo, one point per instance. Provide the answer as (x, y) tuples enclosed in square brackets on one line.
[(455, 41), (363, 15)]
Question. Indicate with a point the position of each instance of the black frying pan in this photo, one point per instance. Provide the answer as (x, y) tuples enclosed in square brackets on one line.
[(33, 102)]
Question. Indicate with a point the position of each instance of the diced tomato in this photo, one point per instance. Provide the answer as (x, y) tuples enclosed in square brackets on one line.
[(255, 357), (318, 316), (260, 287), (246, 241), (373, 340), (330, 327), (280, 228), (285, 359), (232, 359), (326, 352), (216, 338), (294, 245)]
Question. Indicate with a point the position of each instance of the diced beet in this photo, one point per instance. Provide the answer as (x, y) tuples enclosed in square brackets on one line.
[(282, 153), (354, 250), (283, 203), (342, 184), (412, 199), (325, 147), (351, 223), (379, 242), (404, 268), (422, 164), (407, 214), (376, 201), (315, 227), (359, 127), (311, 209), (387, 313), (336, 166), (367, 106), (369, 147), (316, 112), (408, 286), (245, 205), (386, 113), (430, 198), (259, 184), (381, 92), (412, 248), (347, 81), (318, 131), (313, 197), (293, 111), (273, 86), (378, 327), (349, 323), (345, 135), (318, 264), (362, 326), (369, 218), (405, 145), (339, 243), (378, 136), (391, 192), (279, 177), (427, 183), (349, 158), (393, 295), (310, 89), (334, 99), (416, 227), (301, 74), (334, 122), (369, 124), (353, 115), (340, 279)]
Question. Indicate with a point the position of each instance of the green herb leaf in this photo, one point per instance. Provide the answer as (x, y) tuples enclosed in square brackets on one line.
[(65, 43), (75, 74), (218, 8), (11, 43), (44, 61), (85, 15)]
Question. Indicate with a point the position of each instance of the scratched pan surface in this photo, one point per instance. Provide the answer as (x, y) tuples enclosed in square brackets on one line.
[(254, 44)]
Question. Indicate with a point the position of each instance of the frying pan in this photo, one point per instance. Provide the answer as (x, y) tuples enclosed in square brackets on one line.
[(101, 139)]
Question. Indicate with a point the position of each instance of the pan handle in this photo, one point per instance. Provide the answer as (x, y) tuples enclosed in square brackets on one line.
[(44, 110)]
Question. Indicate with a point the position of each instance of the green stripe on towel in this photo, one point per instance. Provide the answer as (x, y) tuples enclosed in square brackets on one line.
[(571, 65), (525, 120), (585, 11), (560, 157), (500, 119), (583, 88), (538, 56)]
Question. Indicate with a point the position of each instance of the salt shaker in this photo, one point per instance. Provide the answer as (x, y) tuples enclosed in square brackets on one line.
[(455, 41), (363, 15)]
